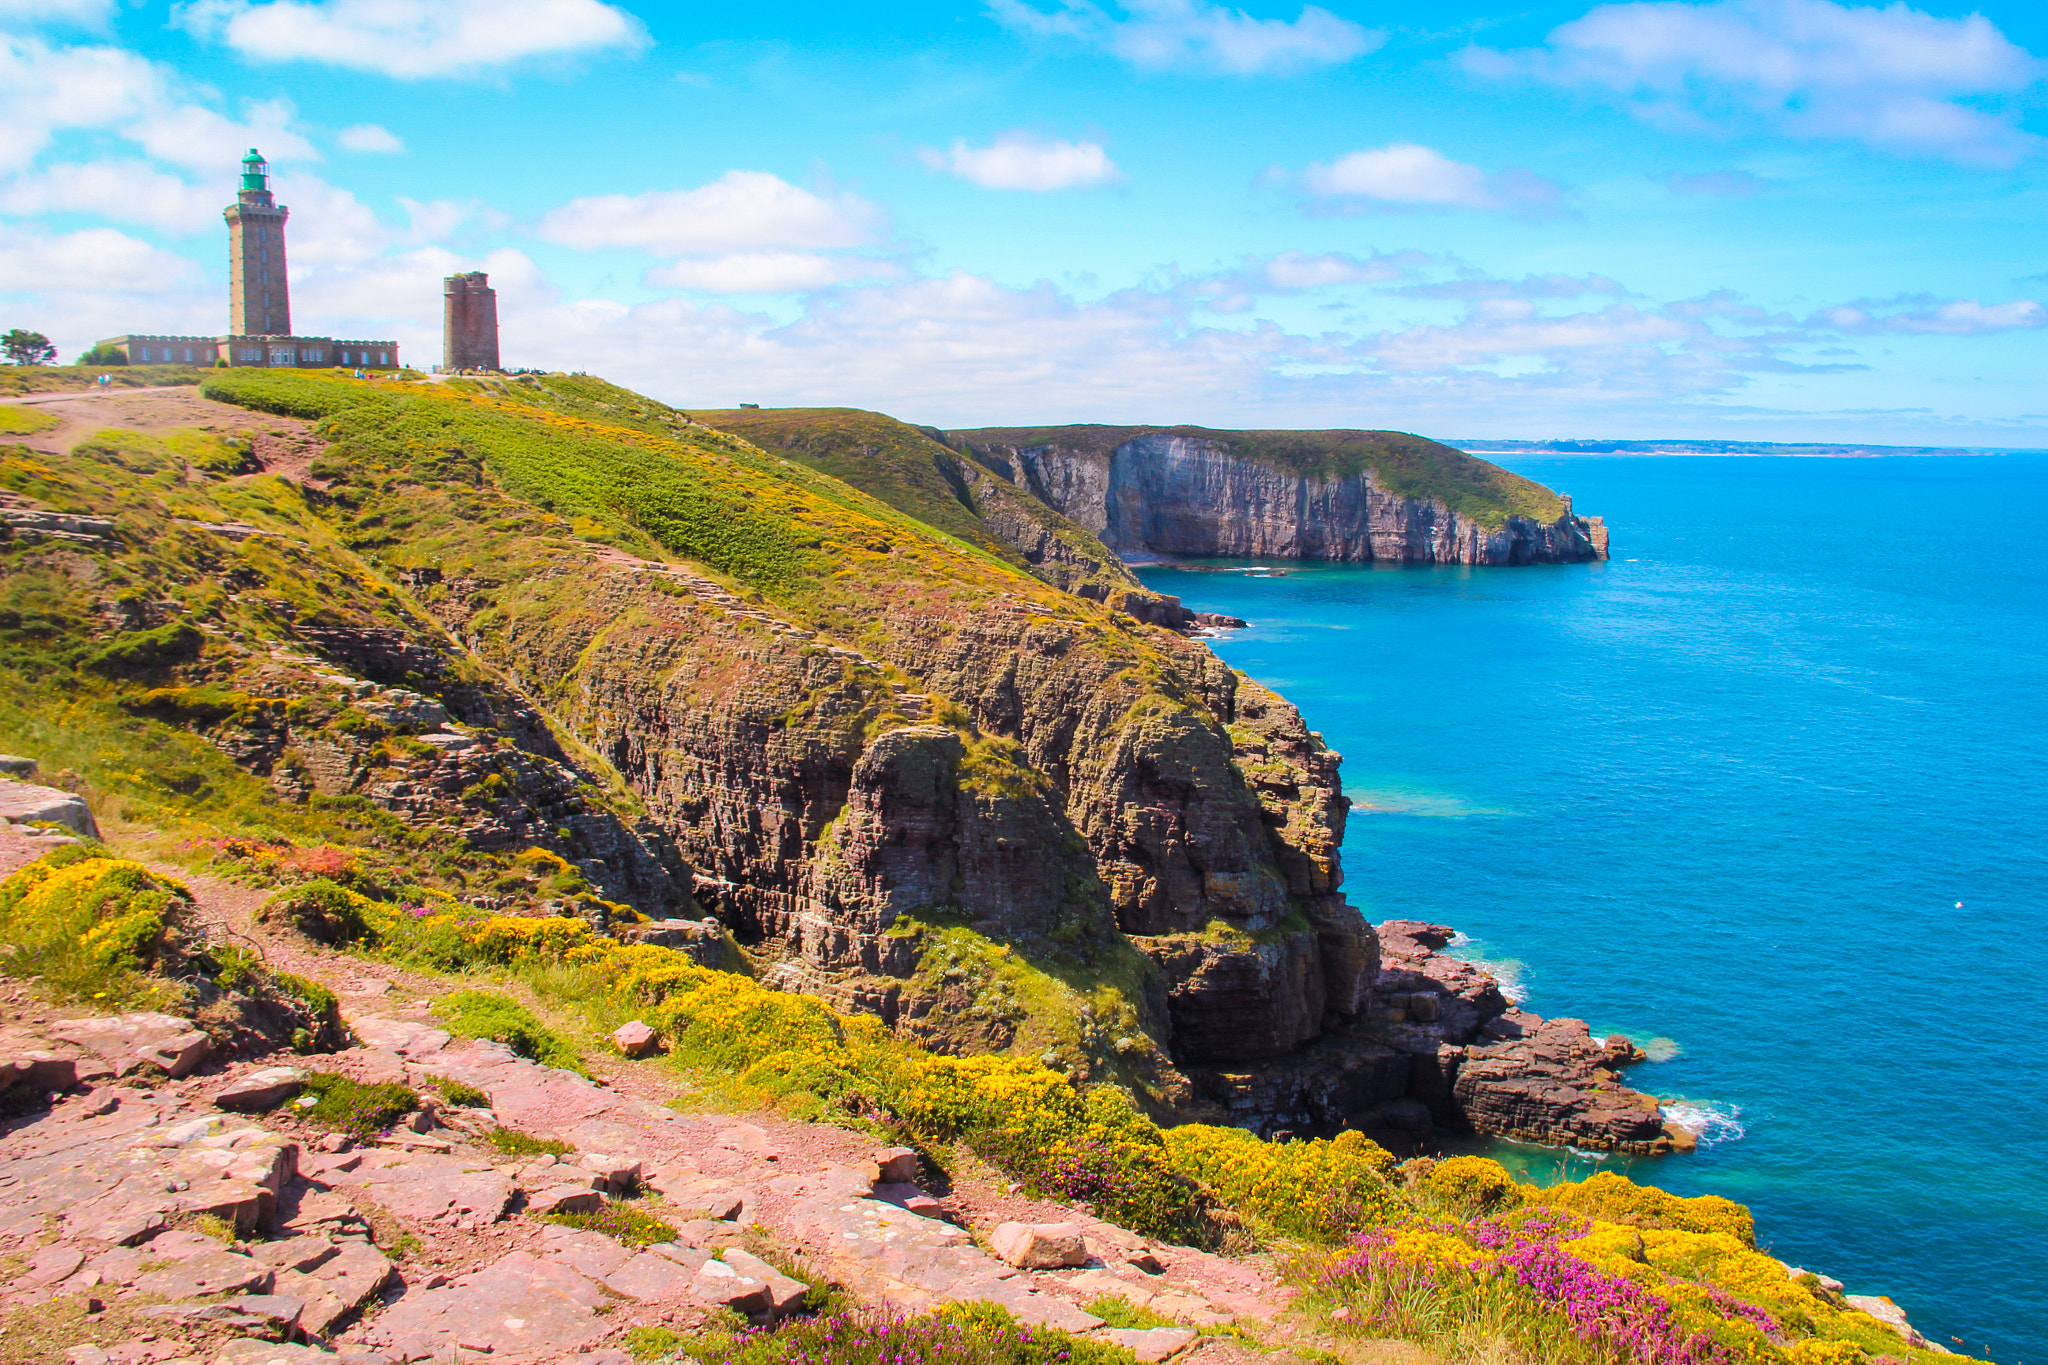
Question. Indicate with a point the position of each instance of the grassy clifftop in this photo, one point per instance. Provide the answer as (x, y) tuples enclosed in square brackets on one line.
[(1405, 465)]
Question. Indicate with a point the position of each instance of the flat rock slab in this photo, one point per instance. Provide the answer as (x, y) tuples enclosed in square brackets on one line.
[(127, 1042), (428, 1186), (523, 1307), (1152, 1345)]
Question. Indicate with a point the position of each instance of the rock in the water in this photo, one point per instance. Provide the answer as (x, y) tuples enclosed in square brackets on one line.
[(1549, 1085), (635, 1039), (263, 1090), (1039, 1246)]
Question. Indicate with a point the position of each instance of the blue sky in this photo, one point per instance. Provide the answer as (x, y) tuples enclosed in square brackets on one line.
[(1765, 219)]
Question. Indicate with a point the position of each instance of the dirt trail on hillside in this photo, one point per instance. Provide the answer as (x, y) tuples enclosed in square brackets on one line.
[(282, 445)]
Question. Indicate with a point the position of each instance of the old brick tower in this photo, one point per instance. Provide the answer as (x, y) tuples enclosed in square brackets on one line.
[(259, 301), (469, 323)]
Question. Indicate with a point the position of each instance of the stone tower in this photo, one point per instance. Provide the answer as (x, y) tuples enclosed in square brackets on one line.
[(259, 302), (469, 323)]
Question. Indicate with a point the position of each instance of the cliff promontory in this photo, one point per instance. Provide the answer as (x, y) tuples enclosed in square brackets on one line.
[(1348, 496)]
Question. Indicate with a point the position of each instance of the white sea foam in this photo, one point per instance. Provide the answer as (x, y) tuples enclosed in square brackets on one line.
[(1711, 1121), (1661, 1049), (1506, 971)]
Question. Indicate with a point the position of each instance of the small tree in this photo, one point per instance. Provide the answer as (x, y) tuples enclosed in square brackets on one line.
[(104, 355), (27, 348)]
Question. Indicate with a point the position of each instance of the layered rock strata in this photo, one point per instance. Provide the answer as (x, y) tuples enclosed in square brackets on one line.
[(1167, 493)]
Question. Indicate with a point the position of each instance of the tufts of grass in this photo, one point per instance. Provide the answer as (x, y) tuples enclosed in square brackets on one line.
[(352, 1108), (512, 1142), (1117, 1311), (486, 1014), (622, 1223), (465, 1096)]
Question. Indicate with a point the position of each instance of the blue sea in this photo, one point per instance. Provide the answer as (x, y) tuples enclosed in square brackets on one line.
[(1770, 787)]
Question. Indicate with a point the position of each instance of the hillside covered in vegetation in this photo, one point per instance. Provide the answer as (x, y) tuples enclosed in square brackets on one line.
[(602, 712)]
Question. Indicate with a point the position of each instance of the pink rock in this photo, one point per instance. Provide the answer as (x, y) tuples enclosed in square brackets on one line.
[(718, 1283), (900, 1165), (1039, 1246), (635, 1039), (565, 1199), (1153, 1345), (261, 1090), (648, 1276)]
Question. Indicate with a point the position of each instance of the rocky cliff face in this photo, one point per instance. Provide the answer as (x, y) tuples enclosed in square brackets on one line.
[(1165, 493)]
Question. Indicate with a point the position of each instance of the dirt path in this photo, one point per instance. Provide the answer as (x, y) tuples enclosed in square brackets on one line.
[(282, 445)]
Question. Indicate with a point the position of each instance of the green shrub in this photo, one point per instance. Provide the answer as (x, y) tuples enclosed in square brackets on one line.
[(464, 1096), (324, 911), (1470, 1185), (1316, 1188), (141, 651), (88, 924), (621, 1222), (512, 1142), (1616, 1199), (484, 1014), (352, 1108), (963, 1334), (653, 1343)]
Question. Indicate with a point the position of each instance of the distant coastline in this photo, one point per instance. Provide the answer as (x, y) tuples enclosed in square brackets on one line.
[(1840, 451)]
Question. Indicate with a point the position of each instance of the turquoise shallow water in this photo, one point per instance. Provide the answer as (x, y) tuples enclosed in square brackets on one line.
[(1727, 789)]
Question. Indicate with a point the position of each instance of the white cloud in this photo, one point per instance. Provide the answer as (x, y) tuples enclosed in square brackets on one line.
[(1478, 286), (190, 135), (410, 39), (739, 211), (766, 272), (370, 137), (1298, 270), (1021, 161), (1159, 34), (1939, 317), (99, 259), (1894, 77), (90, 12), (1407, 175), (128, 191), (45, 89)]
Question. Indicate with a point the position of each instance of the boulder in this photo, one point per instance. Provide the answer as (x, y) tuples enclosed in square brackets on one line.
[(23, 803), (38, 1070), (130, 1041), (619, 1175), (785, 1292), (899, 1165), (260, 1091), (565, 1199), (14, 765), (1039, 1246), (725, 1285), (635, 1039)]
